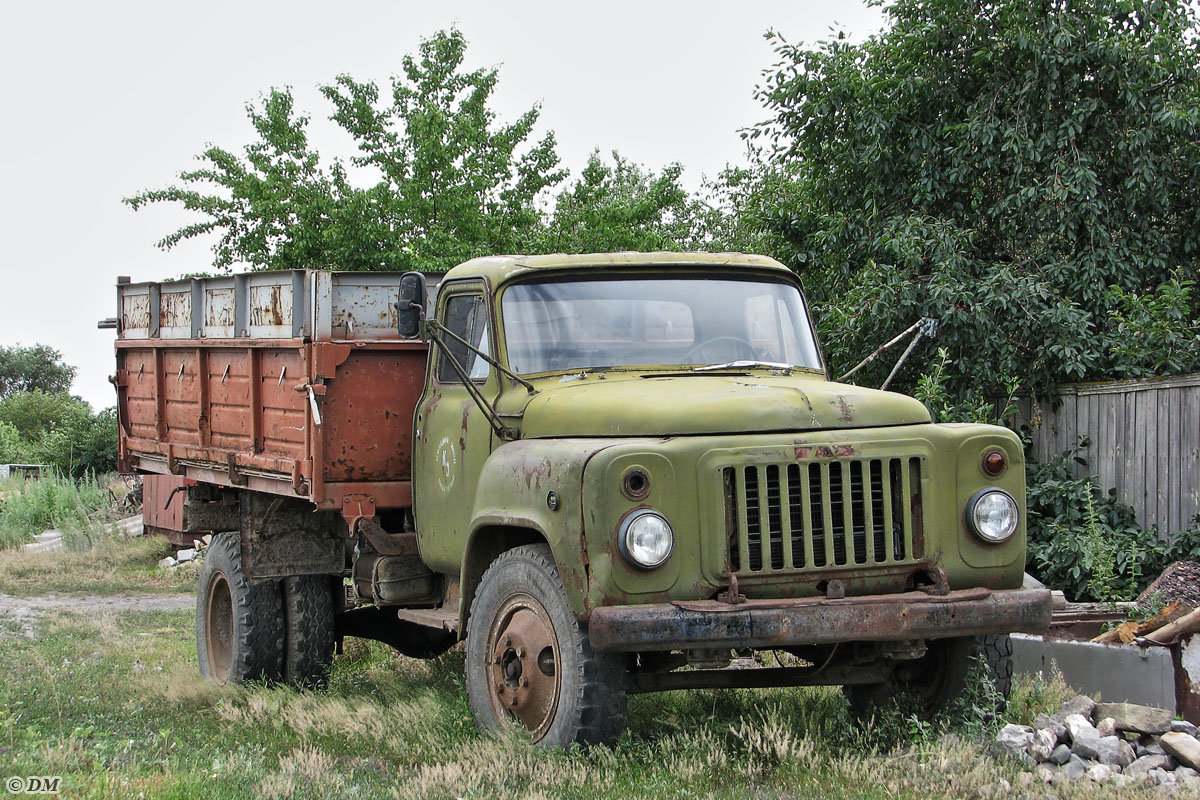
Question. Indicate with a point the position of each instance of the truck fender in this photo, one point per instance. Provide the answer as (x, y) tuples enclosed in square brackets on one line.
[(530, 491)]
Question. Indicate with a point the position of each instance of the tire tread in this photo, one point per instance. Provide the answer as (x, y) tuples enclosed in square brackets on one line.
[(602, 676)]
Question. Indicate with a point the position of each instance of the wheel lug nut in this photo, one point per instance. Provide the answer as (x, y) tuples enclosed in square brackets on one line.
[(512, 701), (500, 687), (524, 681), (520, 652)]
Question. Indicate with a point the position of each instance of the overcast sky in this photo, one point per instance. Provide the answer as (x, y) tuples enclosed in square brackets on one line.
[(105, 99)]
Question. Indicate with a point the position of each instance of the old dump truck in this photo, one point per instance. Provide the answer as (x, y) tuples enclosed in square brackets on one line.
[(609, 474)]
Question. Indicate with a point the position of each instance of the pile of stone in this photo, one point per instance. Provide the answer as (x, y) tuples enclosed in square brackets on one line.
[(1116, 743)]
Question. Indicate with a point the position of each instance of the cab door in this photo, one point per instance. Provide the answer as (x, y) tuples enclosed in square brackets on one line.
[(453, 436)]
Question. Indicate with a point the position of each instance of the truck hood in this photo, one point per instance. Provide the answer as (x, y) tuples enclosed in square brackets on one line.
[(608, 404)]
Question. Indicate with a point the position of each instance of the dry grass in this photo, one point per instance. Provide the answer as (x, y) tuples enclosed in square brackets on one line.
[(112, 701), (113, 565)]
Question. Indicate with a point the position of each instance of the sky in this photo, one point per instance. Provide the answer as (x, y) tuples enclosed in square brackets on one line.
[(102, 100)]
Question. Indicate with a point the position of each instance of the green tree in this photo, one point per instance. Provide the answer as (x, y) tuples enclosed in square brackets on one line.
[(37, 368), (59, 430), (34, 414), (449, 181), (1000, 166), (12, 447), (623, 207)]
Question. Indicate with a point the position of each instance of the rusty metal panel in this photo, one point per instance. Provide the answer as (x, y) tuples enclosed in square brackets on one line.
[(135, 318), (162, 501), (219, 302), (274, 304), (138, 411), (363, 305), (229, 398), (242, 388), (281, 538), (368, 414), (180, 382), (175, 310), (284, 410)]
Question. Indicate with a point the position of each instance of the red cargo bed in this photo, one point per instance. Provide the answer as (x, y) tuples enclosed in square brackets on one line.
[(292, 383)]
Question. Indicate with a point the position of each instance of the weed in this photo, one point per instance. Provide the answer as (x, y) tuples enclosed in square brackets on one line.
[(80, 508), (1043, 693)]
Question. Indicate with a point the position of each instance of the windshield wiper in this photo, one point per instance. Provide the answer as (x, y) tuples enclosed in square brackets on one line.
[(743, 363)]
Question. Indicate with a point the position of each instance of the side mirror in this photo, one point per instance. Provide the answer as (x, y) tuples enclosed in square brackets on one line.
[(410, 305)]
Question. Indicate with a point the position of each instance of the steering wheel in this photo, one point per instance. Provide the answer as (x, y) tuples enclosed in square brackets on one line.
[(745, 350)]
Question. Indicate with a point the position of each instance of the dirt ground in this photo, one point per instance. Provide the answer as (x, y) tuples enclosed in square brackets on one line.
[(23, 611)]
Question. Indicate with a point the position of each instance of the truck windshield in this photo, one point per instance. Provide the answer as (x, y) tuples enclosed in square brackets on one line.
[(586, 324)]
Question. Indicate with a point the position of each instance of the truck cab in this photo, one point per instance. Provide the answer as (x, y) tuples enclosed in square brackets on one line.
[(663, 429)]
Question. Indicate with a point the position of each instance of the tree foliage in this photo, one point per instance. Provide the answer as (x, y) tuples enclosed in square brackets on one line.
[(37, 368), (1025, 171), (57, 429), (449, 182), (623, 207)]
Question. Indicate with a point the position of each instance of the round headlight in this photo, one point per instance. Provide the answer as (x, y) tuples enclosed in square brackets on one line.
[(646, 539), (993, 515)]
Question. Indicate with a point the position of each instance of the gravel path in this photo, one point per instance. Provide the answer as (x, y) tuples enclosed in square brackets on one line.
[(25, 610)]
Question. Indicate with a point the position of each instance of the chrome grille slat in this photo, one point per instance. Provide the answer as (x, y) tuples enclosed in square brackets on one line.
[(813, 515)]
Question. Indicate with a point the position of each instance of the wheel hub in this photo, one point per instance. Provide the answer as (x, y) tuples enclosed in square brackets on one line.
[(523, 670), (219, 628)]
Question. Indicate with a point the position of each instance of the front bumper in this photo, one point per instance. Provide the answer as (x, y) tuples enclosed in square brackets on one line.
[(818, 620)]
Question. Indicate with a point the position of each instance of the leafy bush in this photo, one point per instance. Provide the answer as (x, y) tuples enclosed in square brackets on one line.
[(997, 166), (1087, 542)]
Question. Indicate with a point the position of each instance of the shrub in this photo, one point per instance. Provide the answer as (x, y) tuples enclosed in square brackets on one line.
[(1087, 542)]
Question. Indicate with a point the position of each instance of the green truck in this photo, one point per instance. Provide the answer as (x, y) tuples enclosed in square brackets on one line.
[(608, 474)]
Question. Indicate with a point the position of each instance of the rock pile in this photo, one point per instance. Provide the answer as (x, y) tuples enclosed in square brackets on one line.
[(1107, 742)]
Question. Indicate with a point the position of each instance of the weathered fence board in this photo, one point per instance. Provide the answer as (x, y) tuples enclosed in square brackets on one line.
[(1145, 438)]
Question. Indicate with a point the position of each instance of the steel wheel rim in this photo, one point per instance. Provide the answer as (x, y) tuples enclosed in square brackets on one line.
[(218, 628), (523, 674)]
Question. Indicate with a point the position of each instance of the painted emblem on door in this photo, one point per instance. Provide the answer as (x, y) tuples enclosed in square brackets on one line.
[(447, 459)]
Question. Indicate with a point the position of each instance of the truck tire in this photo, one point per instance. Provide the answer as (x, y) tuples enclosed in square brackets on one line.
[(239, 624), (529, 660), (937, 679), (994, 652), (308, 628)]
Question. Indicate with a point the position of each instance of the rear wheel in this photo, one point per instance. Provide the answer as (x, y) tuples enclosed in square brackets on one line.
[(308, 622), (529, 661), (239, 624)]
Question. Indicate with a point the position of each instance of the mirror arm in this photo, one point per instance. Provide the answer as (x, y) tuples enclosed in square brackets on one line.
[(503, 431), (437, 327)]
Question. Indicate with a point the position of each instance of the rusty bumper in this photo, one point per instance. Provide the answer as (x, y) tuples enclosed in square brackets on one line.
[(818, 620)]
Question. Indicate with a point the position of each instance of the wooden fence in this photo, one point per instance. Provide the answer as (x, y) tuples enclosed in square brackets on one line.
[(1145, 442)]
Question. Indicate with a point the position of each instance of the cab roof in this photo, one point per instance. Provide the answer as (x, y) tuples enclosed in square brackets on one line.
[(498, 269)]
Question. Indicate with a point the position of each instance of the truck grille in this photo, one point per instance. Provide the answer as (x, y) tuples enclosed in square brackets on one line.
[(826, 514)]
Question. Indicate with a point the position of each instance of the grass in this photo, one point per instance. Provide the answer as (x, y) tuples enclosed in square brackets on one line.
[(113, 703), (75, 507), (114, 564)]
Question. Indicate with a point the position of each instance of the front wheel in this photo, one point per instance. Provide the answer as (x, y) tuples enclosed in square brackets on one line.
[(529, 661)]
